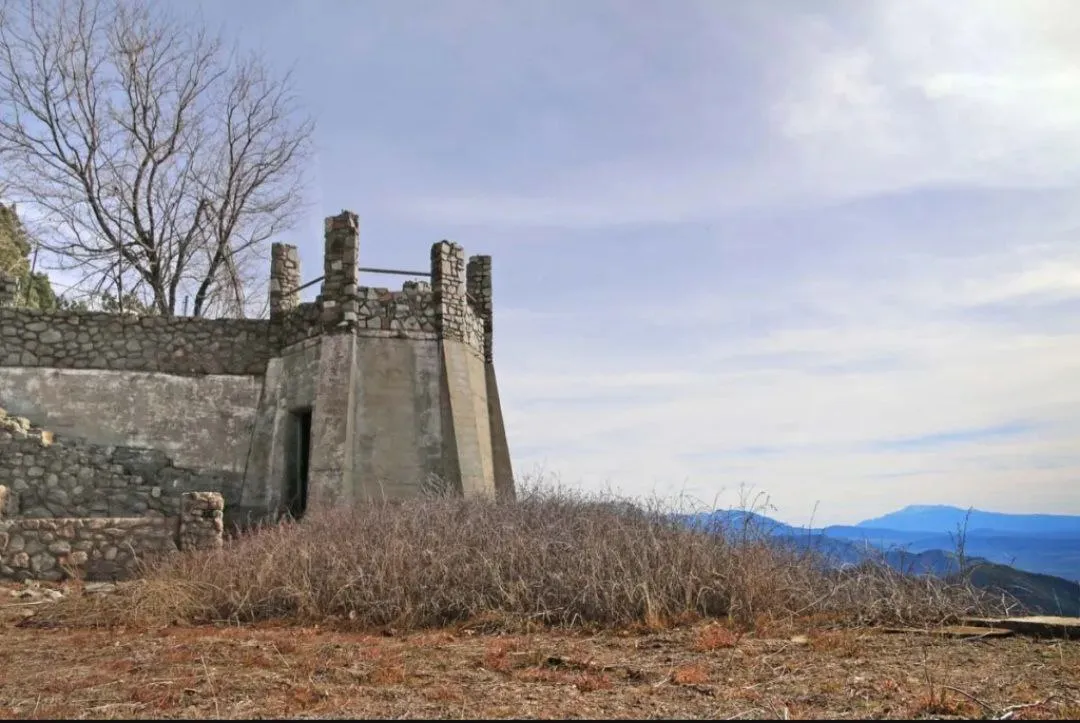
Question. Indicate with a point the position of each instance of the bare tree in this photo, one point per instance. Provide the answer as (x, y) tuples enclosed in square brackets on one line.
[(161, 161)]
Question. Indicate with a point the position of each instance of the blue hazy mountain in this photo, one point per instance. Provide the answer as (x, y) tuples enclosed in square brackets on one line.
[(737, 521), (1046, 544), (943, 519), (1036, 557)]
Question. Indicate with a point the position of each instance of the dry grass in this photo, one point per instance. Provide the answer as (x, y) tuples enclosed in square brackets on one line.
[(715, 637), (547, 559), (270, 671), (554, 606)]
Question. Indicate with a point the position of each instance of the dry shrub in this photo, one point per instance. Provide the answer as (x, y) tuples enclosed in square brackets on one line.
[(589, 682), (943, 703), (690, 675), (389, 670), (841, 643), (715, 637), (496, 657), (551, 557)]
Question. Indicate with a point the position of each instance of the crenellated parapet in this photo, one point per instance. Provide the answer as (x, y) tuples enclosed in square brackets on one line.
[(454, 305), (284, 279), (338, 299)]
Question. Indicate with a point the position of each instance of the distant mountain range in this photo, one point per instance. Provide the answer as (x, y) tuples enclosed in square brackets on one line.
[(1035, 557), (944, 519)]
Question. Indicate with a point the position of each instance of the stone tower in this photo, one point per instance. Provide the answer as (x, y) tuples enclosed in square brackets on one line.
[(363, 394)]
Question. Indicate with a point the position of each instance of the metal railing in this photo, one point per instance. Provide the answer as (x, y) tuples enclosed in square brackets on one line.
[(365, 269)]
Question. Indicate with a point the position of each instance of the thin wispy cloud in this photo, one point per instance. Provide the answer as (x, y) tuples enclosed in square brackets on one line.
[(828, 250)]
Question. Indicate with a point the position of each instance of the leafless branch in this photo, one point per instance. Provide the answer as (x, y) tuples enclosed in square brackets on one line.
[(160, 161)]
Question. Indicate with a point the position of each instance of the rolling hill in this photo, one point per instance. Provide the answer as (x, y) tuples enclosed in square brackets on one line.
[(1035, 560)]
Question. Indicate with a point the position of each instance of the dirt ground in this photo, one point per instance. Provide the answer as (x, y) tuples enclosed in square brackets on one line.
[(794, 671)]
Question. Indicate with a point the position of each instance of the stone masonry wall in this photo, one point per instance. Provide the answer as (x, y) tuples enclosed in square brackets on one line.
[(194, 346), (61, 477), (478, 286), (284, 279), (9, 288), (408, 313), (303, 321), (201, 521), (473, 331), (448, 289), (338, 298), (458, 317), (92, 340), (410, 310), (104, 548)]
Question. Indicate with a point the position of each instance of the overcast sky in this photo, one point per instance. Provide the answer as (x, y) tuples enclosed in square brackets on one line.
[(827, 250)]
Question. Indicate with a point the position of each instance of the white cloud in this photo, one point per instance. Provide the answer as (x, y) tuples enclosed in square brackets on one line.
[(923, 92), (883, 358), (887, 97)]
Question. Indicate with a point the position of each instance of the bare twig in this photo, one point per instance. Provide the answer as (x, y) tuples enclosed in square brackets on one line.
[(969, 696), (159, 162), (1012, 710)]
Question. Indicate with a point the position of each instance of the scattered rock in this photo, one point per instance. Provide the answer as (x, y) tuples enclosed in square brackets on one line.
[(99, 588)]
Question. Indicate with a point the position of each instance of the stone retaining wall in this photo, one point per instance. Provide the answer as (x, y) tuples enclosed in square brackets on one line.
[(61, 477), (93, 340), (190, 346), (104, 548)]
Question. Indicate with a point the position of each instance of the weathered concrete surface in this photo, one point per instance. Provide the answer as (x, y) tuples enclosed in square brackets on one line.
[(1048, 626), (398, 424), (332, 424), (500, 450), (467, 412), (201, 422), (289, 384), (956, 631)]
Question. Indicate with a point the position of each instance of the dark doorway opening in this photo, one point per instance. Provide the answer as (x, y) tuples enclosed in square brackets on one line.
[(297, 457)]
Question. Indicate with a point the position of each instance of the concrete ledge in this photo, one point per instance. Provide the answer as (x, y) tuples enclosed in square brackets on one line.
[(1042, 626)]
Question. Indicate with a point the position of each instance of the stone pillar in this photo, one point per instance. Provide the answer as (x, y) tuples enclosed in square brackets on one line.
[(478, 284), (201, 520), (338, 299), (284, 279), (9, 289), (448, 289)]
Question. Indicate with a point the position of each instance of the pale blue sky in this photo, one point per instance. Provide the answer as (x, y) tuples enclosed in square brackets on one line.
[(829, 250)]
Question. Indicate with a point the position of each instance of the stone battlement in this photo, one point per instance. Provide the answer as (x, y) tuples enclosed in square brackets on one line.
[(447, 307)]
